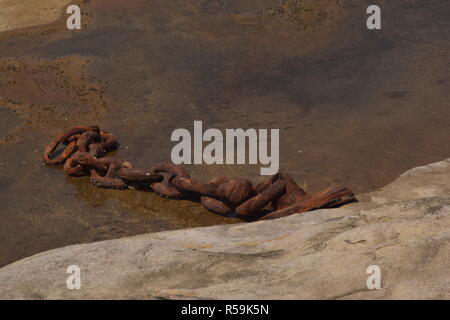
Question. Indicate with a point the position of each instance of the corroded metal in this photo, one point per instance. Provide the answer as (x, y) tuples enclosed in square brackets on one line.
[(84, 153)]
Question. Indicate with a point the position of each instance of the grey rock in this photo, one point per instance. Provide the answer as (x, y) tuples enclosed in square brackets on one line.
[(404, 228)]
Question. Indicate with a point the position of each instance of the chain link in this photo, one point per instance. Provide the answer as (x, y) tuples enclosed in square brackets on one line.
[(84, 154)]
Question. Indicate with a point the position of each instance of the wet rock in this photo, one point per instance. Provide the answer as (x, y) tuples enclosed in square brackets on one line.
[(432, 180), (41, 12), (318, 255)]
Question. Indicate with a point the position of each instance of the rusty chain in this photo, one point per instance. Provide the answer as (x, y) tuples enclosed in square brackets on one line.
[(84, 154)]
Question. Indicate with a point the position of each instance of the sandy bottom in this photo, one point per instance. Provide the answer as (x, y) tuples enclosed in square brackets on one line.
[(354, 107), (16, 14)]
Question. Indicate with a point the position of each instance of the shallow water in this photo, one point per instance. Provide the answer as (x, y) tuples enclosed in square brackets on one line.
[(353, 107)]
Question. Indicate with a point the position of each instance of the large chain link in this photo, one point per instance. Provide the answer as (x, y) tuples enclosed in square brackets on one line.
[(84, 153)]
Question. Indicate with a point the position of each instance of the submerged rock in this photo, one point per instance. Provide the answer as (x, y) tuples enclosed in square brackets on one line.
[(404, 228)]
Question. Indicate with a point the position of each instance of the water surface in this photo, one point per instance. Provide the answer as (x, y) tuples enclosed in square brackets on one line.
[(354, 107)]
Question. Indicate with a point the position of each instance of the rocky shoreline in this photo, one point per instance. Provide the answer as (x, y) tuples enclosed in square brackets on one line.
[(403, 228)]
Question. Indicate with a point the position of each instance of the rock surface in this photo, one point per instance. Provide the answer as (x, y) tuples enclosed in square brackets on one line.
[(403, 228)]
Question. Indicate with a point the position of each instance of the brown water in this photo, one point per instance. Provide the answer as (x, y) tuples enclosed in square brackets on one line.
[(353, 107)]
